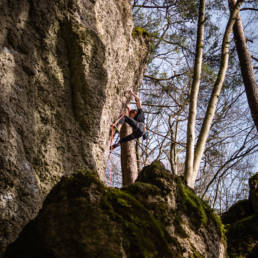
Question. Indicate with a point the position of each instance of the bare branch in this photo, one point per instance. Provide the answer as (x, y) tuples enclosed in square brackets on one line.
[(181, 144), (164, 79), (249, 9)]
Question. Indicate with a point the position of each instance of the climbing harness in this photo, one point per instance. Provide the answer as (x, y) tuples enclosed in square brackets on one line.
[(111, 144)]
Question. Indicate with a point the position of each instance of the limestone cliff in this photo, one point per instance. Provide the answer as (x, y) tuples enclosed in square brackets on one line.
[(158, 216), (65, 69)]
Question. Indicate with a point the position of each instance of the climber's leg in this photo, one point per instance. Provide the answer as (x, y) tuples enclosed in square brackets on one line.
[(130, 121)]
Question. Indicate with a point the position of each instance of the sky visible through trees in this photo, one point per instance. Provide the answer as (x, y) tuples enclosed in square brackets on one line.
[(231, 153)]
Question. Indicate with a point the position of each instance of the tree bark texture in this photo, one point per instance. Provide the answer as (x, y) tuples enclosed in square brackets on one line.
[(194, 95), (138, 154), (246, 66), (206, 125), (128, 157)]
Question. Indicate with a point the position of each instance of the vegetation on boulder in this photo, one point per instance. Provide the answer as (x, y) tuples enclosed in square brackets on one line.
[(241, 221), (242, 237), (198, 211), (83, 218)]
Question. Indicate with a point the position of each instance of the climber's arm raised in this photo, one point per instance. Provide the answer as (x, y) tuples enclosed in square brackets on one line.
[(137, 99)]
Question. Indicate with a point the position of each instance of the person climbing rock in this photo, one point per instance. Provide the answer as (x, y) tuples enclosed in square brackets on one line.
[(135, 119)]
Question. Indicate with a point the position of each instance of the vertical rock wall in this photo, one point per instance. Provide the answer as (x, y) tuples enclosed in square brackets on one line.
[(65, 69)]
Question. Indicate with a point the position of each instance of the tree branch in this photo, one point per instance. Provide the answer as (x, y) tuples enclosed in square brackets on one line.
[(163, 79), (249, 9)]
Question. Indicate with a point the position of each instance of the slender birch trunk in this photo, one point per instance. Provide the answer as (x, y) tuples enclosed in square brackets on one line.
[(194, 95), (128, 158), (202, 139), (246, 66)]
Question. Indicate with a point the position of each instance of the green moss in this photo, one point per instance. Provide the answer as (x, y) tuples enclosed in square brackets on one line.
[(199, 211), (242, 236), (219, 225), (148, 237), (89, 220), (157, 175), (138, 31), (151, 197), (237, 211), (143, 189), (253, 253), (70, 187), (243, 227), (192, 204), (194, 253)]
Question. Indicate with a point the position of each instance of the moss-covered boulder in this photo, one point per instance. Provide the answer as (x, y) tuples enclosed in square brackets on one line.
[(237, 211), (195, 227), (158, 216), (253, 195), (241, 221), (243, 237)]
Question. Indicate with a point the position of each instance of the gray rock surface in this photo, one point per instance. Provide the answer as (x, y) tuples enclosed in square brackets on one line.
[(65, 69)]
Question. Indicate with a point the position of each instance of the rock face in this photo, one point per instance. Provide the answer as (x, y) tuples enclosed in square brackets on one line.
[(253, 195), (65, 69), (158, 216), (242, 224)]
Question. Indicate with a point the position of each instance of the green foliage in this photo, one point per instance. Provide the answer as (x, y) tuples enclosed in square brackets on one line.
[(188, 9), (138, 31)]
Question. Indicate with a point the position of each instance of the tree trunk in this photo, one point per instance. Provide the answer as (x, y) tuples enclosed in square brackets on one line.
[(138, 154), (128, 158), (194, 95), (246, 66), (173, 147), (206, 125)]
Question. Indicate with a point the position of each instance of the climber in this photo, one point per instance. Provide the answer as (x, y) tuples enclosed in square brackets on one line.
[(135, 120)]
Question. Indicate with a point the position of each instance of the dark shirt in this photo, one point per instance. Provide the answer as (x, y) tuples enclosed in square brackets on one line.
[(139, 116)]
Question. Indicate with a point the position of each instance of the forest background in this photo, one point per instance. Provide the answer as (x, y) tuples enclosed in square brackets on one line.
[(230, 155)]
